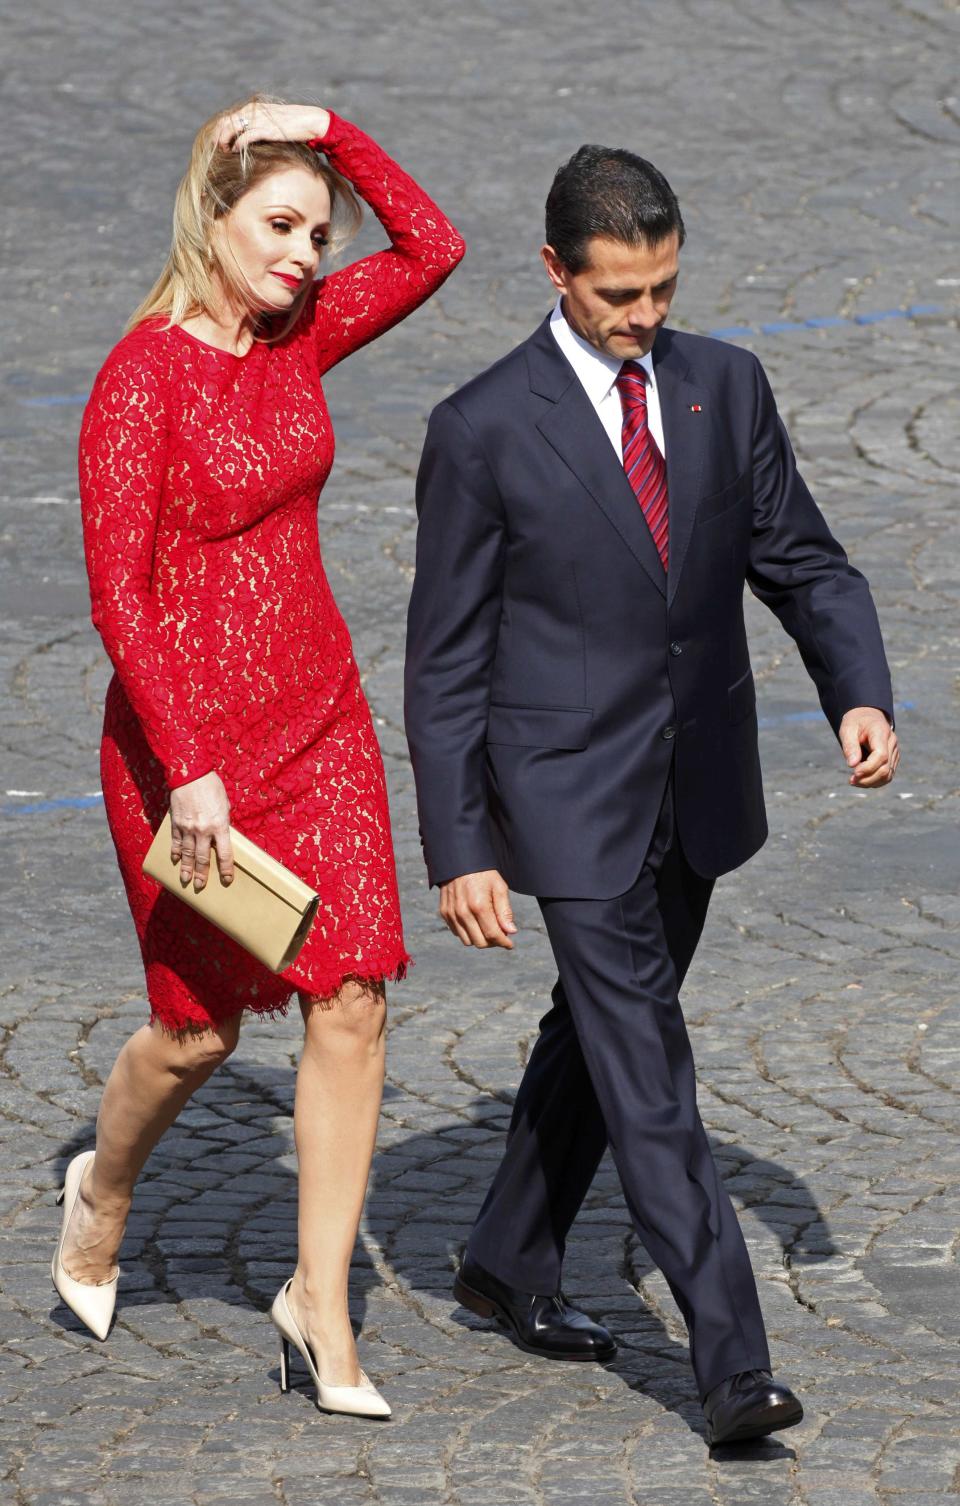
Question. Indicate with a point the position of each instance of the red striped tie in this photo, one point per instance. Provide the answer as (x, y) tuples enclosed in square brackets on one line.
[(645, 466)]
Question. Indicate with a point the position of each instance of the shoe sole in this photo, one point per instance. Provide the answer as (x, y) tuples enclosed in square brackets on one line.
[(486, 1307), (773, 1420)]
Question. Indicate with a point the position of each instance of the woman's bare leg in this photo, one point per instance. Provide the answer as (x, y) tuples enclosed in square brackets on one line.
[(151, 1080), (337, 1105)]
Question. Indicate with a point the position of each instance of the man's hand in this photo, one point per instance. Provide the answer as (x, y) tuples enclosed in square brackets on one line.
[(870, 747), (476, 907)]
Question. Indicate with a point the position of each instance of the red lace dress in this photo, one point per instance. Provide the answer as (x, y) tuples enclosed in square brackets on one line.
[(199, 475)]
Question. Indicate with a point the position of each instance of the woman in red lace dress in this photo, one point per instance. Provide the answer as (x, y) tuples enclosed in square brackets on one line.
[(236, 696)]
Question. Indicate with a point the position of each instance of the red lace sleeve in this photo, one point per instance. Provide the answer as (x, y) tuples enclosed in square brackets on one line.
[(361, 301), (123, 444)]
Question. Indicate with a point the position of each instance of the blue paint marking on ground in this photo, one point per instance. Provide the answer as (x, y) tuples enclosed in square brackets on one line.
[(878, 316), (726, 332), (87, 802), (54, 400), (40, 807), (783, 326), (790, 718), (832, 321)]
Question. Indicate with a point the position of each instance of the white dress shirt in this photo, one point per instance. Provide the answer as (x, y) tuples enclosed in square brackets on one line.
[(598, 374)]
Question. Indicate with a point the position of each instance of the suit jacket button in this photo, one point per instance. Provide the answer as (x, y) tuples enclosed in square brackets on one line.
[(669, 732), (675, 647)]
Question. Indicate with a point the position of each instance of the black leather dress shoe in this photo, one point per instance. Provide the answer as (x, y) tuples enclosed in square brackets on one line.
[(749, 1405), (537, 1324)]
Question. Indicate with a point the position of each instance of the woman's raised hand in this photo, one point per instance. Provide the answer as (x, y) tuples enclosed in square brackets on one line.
[(200, 818), (267, 122)]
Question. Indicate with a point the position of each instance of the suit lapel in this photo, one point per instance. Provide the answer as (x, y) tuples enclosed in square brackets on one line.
[(684, 431), (572, 427)]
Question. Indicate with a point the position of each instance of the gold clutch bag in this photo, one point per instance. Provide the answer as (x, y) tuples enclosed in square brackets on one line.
[(267, 909)]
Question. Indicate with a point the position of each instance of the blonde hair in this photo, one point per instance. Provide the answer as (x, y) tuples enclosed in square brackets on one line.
[(214, 182)]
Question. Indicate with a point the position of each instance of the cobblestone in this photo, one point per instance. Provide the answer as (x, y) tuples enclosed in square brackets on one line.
[(814, 152)]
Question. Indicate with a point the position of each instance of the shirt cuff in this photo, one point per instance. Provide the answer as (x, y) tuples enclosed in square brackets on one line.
[(187, 773)]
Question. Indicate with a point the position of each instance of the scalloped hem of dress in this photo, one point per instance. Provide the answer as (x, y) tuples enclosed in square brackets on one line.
[(324, 999), (171, 1021)]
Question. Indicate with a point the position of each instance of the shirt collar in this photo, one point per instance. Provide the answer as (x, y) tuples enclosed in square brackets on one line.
[(596, 371)]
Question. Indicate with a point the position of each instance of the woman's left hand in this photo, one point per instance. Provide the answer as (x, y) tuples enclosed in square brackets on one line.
[(266, 122)]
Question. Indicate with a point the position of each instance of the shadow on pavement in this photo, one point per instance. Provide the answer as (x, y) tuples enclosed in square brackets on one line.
[(227, 1232)]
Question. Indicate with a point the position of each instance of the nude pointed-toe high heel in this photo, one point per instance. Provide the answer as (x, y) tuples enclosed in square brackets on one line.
[(357, 1401), (93, 1302)]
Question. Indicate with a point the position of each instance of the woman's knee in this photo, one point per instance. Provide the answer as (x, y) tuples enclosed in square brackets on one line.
[(354, 1020), (199, 1050)]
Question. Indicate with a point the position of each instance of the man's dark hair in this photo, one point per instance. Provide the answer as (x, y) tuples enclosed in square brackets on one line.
[(608, 191)]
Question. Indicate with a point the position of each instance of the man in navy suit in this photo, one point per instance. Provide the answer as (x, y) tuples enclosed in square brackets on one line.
[(582, 724)]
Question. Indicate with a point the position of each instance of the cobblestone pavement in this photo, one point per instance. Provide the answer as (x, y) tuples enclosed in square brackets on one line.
[(814, 147)]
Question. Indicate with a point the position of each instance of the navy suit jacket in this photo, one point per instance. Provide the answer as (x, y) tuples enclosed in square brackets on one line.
[(554, 670)]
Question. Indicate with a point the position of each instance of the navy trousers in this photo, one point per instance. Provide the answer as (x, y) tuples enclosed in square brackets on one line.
[(613, 1066)]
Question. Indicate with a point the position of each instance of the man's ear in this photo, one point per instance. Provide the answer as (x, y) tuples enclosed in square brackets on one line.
[(556, 271)]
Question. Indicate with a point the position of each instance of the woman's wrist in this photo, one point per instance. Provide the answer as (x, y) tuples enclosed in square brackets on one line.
[(319, 128)]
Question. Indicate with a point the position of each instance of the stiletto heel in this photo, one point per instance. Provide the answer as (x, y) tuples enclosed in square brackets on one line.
[(93, 1302), (357, 1401)]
